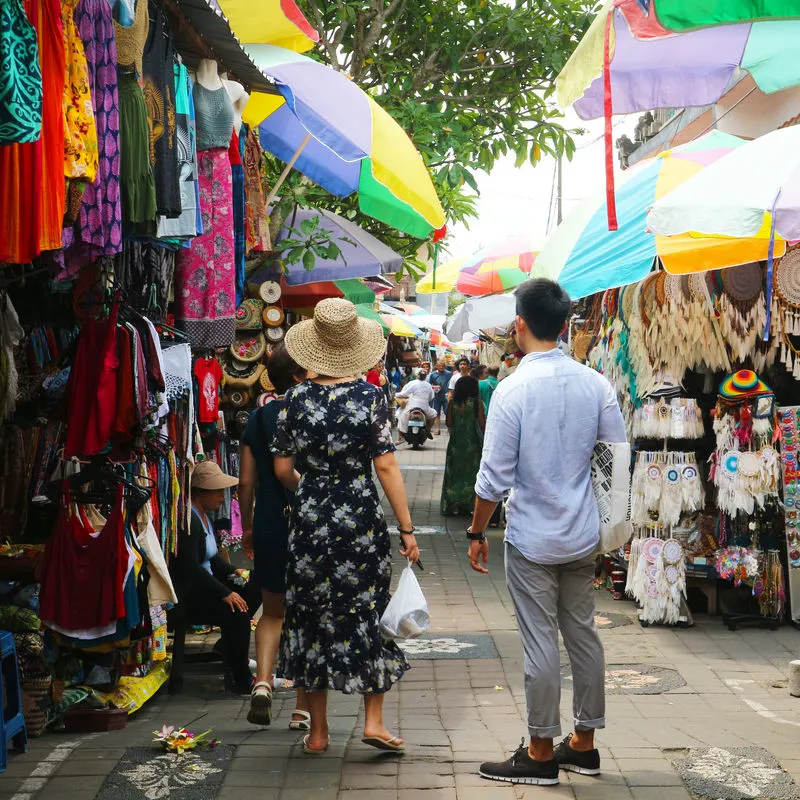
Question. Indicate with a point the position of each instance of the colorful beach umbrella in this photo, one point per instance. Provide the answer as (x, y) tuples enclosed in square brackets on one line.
[(651, 67), (411, 309), (326, 127), (585, 257), (497, 268), (438, 339), (278, 22), (400, 326), (740, 194), (685, 15), (443, 279), (361, 254), (309, 294)]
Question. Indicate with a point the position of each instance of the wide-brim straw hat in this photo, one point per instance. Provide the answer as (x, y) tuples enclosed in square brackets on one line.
[(209, 477), (337, 343)]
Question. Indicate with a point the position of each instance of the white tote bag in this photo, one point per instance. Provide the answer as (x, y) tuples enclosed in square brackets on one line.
[(611, 481), (406, 616)]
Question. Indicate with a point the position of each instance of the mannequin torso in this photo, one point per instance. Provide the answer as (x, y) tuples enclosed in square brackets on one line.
[(239, 98)]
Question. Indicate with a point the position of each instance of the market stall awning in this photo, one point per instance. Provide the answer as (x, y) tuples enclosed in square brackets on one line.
[(202, 32)]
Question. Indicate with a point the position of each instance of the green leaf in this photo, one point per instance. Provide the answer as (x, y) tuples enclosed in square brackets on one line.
[(309, 260), (309, 225)]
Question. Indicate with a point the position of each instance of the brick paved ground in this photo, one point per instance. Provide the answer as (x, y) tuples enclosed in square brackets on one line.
[(454, 711)]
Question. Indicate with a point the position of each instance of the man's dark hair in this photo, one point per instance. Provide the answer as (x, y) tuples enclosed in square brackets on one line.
[(466, 388), (282, 369), (494, 371), (462, 360), (544, 306)]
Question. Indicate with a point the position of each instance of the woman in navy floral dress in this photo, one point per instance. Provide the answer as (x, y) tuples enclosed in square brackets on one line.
[(332, 431)]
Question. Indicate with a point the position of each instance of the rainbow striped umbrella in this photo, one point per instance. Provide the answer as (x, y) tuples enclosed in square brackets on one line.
[(324, 125), (585, 257), (443, 280), (498, 267)]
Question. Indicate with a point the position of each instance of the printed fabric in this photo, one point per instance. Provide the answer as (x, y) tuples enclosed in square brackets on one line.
[(205, 272), (98, 230), (257, 237), (80, 130), (20, 76), (339, 552), (208, 373)]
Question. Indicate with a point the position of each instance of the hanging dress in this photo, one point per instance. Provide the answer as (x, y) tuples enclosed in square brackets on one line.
[(185, 225), (32, 196), (80, 130), (20, 76), (205, 273), (237, 175), (462, 462), (159, 98), (136, 172), (256, 220), (98, 229)]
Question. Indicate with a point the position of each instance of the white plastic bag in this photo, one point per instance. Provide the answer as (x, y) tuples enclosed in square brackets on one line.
[(406, 616), (611, 481)]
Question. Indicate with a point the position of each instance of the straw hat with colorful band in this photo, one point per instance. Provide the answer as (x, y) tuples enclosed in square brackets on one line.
[(273, 316), (743, 283), (743, 384), (270, 292), (266, 383), (248, 315), (337, 343), (207, 476), (249, 347), (275, 334)]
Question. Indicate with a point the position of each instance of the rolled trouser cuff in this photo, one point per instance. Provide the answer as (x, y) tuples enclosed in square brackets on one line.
[(547, 732), (590, 724)]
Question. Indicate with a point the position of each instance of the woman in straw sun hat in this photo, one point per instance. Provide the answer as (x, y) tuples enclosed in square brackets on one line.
[(332, 430)]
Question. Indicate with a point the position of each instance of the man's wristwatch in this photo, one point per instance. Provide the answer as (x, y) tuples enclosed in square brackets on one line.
[(473, 536)]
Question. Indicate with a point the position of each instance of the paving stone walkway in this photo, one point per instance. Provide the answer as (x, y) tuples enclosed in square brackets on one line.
[(692, 713)]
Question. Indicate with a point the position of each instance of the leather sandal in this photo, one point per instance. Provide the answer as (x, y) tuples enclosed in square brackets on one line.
[(303, 724), (260, 712)]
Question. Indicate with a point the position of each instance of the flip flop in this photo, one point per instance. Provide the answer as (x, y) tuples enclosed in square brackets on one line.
[(300, 724), (392, 744), (309, 751)]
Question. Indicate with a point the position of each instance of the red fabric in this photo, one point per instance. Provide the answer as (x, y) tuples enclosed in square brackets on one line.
[(234, 154), (81, 585), (92, 388), (32, 188), (209, 374), (611, 201), (127, 416), (374, 377)]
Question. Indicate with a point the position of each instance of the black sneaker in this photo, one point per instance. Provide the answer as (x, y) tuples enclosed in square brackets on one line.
[(521, 768), (584, 762)]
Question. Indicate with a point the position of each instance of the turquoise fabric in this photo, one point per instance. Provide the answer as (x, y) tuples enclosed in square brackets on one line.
[(771, 55)]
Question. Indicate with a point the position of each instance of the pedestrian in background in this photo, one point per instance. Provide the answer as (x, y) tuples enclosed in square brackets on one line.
[(487, 386), (440, 380), (462, 369), (466, 422), (265, 507), (333, 431), (544, 422)]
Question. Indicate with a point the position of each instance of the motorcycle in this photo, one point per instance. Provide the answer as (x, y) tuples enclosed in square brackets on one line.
[(417, 433)]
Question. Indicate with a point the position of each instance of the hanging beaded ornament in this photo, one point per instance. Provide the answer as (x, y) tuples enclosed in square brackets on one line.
[(743, 312)]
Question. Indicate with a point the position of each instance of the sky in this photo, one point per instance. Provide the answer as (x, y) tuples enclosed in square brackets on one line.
[(516, 201)]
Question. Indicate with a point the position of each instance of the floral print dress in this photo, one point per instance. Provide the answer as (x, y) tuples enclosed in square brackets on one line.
[(339, 561)]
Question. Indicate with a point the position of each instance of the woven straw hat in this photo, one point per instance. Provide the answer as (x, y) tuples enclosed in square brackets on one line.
[(337, 343)]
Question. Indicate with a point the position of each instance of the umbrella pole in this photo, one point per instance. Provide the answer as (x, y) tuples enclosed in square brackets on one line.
[(286, 170)]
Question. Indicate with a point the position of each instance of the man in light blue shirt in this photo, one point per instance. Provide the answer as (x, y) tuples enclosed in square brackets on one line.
[(543, 424)]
